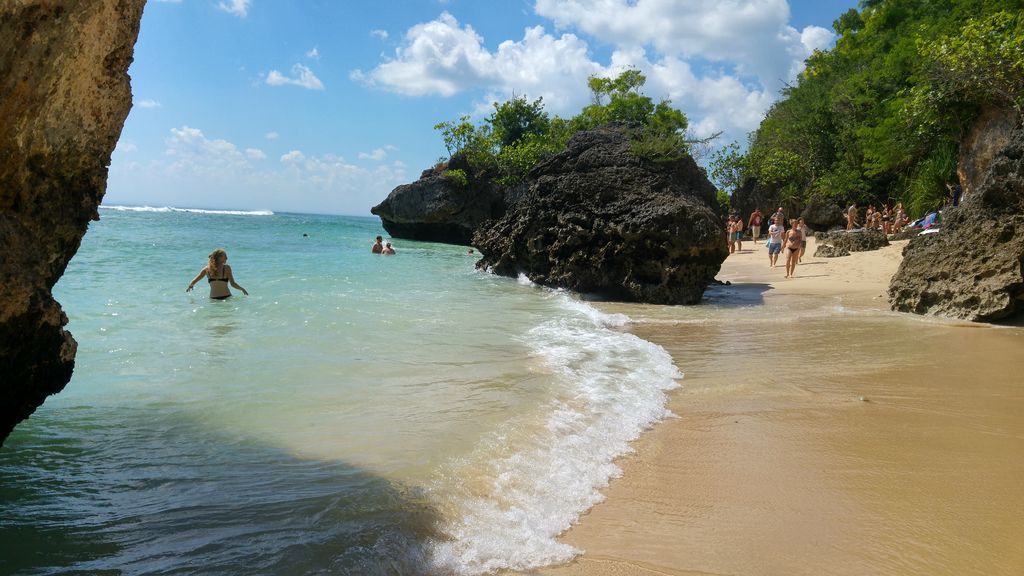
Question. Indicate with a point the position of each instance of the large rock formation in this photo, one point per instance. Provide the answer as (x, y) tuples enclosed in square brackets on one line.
[(64, 96), (989, 134), (974, 267), (441, 208), (752, 194), (823, 214), (598, 219), (843, 242)]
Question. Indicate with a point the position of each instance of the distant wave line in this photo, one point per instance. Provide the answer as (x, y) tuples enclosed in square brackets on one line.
[(189, 210)]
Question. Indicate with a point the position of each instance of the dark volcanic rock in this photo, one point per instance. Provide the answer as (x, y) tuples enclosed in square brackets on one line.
[(64, 95), (830, 251), (842, 242), (753, 194), (972, 268), (437, 208), (598, 219), (822, 214), (905, 234)]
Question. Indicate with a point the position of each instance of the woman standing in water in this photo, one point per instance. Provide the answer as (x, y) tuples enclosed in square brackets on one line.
[(219, 274)]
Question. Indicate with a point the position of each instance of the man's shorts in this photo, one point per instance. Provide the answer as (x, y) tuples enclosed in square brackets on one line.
[(774, 248)]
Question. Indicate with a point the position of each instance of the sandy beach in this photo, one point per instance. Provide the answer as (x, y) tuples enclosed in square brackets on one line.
[(819, 433)]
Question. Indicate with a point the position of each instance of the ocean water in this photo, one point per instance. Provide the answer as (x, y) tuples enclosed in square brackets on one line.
[(355, 414)]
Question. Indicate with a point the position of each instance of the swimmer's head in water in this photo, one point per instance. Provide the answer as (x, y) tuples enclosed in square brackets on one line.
[(217, 257), (380, 238)]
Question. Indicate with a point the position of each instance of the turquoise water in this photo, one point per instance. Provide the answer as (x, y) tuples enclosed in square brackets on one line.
[(355, 414)]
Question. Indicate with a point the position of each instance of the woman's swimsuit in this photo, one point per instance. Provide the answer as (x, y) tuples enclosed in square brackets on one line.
[(225, 280)]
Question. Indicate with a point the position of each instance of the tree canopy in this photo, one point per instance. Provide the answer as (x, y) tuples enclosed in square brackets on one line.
[(880, 116), (519, 133)]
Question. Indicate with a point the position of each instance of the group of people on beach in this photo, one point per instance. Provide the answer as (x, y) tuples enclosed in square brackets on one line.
[(793, 239), (887, 220), (219, 274)]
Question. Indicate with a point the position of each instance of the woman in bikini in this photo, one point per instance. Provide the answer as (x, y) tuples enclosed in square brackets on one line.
[(219, 274), (793, 239)]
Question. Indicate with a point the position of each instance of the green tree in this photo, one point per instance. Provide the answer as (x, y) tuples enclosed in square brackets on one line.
[(983, 61), (516, 118)]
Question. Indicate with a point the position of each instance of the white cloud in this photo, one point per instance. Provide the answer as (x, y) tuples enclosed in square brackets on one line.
[(272, 135), (204, 172), (382, 34), (191, 152), (720, 61), (255, 154), (378, 154), (293, 156), (239, 8), (148, 104), (314, 53), (441, 57), (301, 76), (753, 35), (125, 147)]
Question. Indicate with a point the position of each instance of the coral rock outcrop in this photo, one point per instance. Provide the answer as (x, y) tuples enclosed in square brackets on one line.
[(64, 96), (843, 242), (600, 220), (974, 267), (441, 208)]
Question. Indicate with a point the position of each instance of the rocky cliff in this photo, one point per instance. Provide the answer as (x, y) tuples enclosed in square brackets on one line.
[(64, 96), (441, 208), (974, 267), (989, 134), (597, 219)]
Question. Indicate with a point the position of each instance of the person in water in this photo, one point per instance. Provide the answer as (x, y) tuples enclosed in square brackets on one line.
[(219, 274), (378, 246), (388, 250)]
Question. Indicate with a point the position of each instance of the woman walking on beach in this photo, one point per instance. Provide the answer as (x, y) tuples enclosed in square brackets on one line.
[(219, 274), (793, 239)]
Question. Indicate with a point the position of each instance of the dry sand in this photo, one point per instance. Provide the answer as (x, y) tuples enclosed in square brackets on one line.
[(818, 433)]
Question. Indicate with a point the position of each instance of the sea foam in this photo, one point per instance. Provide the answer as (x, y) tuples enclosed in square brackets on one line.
[(612, 387), (164, 209)]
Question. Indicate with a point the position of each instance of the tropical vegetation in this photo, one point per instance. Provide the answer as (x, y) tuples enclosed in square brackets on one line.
[(879, 118), (519, 133)]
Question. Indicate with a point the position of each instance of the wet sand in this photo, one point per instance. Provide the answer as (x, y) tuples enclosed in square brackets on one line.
[(819, 433)]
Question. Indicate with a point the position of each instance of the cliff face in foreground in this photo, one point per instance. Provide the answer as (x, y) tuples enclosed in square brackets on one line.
[(974, 267), (64, 96), (598, 219)]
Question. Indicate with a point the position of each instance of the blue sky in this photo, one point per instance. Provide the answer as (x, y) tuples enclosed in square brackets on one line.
[(324, 106)]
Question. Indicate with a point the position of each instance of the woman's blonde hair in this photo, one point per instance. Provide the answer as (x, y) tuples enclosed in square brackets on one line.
[(211, 266)]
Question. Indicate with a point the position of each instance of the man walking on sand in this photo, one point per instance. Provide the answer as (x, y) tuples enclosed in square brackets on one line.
[(774, 241), (755, 224)]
